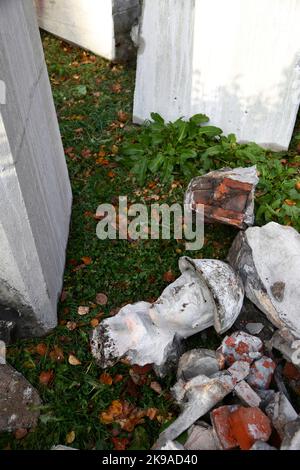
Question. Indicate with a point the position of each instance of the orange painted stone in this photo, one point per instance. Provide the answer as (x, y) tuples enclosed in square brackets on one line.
[(220, 419), (248, 425)]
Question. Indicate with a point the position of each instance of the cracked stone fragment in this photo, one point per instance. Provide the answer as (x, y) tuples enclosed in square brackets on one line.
[(291, 440), (197, 397), (227, 195), (240, 346), (261, 373), (199, 362), (268, 261), (172, 445), (254, 328), (19, 401), (281, 412), (287, 344), (207, 293), (202, 437), (246, 394)]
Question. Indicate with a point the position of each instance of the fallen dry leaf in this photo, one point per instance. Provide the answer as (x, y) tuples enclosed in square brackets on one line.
[(118, 378), (70, 437), (169, 276), (41, 349), (94, 322), (156, 387), (63, 296), (73, 360), (116, 88), (57, 354), (46, 377), (111, 174), (83, 310), (101, 299), (106, 379), (114, 149), (151, 413), (120, 443), (87, 260), (71, 325), (122, 116), (115, 409)]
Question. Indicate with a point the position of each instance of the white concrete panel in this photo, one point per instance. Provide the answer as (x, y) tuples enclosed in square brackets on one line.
[(244, 65), (87, 23), (35, 194)]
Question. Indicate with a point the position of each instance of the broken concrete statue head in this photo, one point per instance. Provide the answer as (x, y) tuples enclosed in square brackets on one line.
[(268, 261), (227, 196), (208, 293)]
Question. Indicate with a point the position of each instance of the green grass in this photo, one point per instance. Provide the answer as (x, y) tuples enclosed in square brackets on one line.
[(88, 97)]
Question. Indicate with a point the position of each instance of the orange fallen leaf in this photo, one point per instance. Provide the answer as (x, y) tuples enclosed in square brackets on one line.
[(122, 116), (73, 360), (116, 88), (151, 413), (57, 354), (70, 437), (94, 322), (101, 299), (41, 349), (46, 377), (114, 149), (102, 153), (169, 276), (289, 202), (87, 260), (120, 443), (114, 410), (83, 310), (106, 379), (118, 378), (111, 174)]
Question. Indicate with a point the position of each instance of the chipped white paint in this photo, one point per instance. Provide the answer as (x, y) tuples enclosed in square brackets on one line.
[(268, 260), (35, 194), (238, 62)]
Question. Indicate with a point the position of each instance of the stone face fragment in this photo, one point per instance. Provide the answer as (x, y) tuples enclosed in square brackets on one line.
[(202, 437), (261, 373), (281, 412), (249, 425), (227, 195), (240, 346), (267, 259), (254, 328), (246, 394), (207, 293), (18, 401)]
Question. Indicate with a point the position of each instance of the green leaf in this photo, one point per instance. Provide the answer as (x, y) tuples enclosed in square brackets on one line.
[(210, 131), (157, 118), (199, 119)]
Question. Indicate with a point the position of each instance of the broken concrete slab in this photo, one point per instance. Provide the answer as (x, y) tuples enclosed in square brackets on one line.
[(254, 328), (281, 412), (291, 440), (227, 196), (287, 344), (197, 397), (261, 373), (199, 362), (19, 401), (267, 259), (202, 437), (246, 394), (207, 293), (240, 346)]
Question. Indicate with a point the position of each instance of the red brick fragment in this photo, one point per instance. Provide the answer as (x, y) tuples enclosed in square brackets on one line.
[(220, 420), (248, 425), (261, 373), (291, 372)]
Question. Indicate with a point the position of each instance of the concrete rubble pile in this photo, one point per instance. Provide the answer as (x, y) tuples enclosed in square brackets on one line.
[(236, 397)]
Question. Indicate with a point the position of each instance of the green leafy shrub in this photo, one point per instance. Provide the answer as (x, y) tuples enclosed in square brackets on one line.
[(184, 149)]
